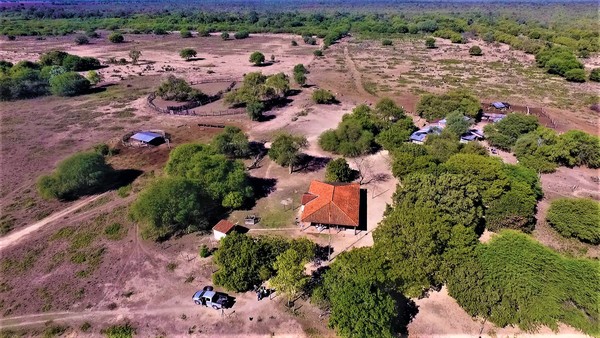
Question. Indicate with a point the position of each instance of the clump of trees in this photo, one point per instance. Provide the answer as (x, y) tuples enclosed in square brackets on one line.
[(561, 61), (576, 217), (365, 129), (540, 148), (338, 170), (200, 182), (500, 281), (257, 58), (323, 96), (78, 175), (432, 107), (285, 149), (245, 261), (258, 89), (177, 89), (27, 79)]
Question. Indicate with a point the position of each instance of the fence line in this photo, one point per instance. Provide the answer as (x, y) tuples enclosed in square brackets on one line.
[(187, 109)]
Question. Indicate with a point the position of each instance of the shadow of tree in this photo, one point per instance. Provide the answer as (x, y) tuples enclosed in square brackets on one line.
[(308, 163)]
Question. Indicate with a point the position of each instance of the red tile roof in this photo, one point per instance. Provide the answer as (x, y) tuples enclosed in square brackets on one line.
[(224, 226), (332, 204)]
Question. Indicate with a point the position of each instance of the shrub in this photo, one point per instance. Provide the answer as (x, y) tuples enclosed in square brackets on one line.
[(257, 58), (78, 64), (69, 84), (309, 40), (79, 174), (188, 53), (202, 32), (575, 75), (318, 53), (160, 31), (81, 40), (576, 217), (116, 37), (94, 77), (430, 42), (387, 42), (119, 331), (225, 36), (294, 43), (241, 35), (185, 33), (323, 96), (475, 51), (178, 89), (92, 34), (338, 171), (204, 251), (11, 37), (595, 75)]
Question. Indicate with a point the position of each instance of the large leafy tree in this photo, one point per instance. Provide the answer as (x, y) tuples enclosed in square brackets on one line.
[(223, 179), (359, 296), (504, 133), (290, 278), (338, 170), (285, 149), (69, 84), (433, 106), (170, 205), (79, 174)]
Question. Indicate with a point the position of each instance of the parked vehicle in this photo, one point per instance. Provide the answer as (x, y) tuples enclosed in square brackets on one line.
[(209, 298)]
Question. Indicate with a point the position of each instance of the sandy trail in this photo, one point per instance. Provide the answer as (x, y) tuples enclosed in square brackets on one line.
[(355, 74), (16, 236)]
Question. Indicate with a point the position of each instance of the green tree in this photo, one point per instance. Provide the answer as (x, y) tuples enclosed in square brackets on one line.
[(457, 124), (93, 77), (504, 134), (430, 42), (576, 217), (174, 88), (171, 205), (338, 170), (77, 175), (116, 37), (397, 134), (188, 53), (223, 179), (134, 55), (232, 142), (290, 278), (285, 149), (257, 58), (475, 51), (278, 83), (69, 84), (323, 96), (579, 148), (300, 78)]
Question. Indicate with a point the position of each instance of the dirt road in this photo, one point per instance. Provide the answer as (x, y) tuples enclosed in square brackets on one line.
[(16, 236)]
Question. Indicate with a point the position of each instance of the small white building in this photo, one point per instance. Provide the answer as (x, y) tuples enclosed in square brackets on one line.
[(222, 228)]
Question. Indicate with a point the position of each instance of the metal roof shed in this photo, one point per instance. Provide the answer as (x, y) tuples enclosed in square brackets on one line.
[(146, 136)]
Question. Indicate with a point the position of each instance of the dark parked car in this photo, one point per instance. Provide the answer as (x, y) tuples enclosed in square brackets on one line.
[(209, 298)]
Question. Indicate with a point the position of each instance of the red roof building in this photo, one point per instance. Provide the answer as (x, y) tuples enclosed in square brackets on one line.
[(333, 204), (222, 229)]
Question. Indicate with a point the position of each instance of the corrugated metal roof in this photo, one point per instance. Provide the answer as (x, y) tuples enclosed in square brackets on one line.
[(145, 136), (499, 105)]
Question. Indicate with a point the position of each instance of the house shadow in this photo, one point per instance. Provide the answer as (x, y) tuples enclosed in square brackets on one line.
[(308, 163), (362, 212)]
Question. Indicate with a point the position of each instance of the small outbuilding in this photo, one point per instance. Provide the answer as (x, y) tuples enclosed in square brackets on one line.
[(420, 135), (471, 135), (501, 105), (147, 138), (222, 228)]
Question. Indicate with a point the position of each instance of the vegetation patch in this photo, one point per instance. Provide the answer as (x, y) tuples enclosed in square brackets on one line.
[(576, 217)]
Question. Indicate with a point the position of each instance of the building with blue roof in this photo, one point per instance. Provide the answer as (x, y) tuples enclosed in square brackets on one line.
[(148, 138)]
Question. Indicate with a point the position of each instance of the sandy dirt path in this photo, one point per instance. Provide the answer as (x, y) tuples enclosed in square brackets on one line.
[(355, 74), (17, 236)]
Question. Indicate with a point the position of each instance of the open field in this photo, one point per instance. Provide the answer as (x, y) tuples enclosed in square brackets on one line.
[(90, 264)]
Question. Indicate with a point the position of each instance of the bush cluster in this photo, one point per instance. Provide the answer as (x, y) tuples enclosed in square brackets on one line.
[(433, 107), (561, 61), (300, 74), (365, 129), (323, 96), (576, 217), (177, 89), (258, 89)]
